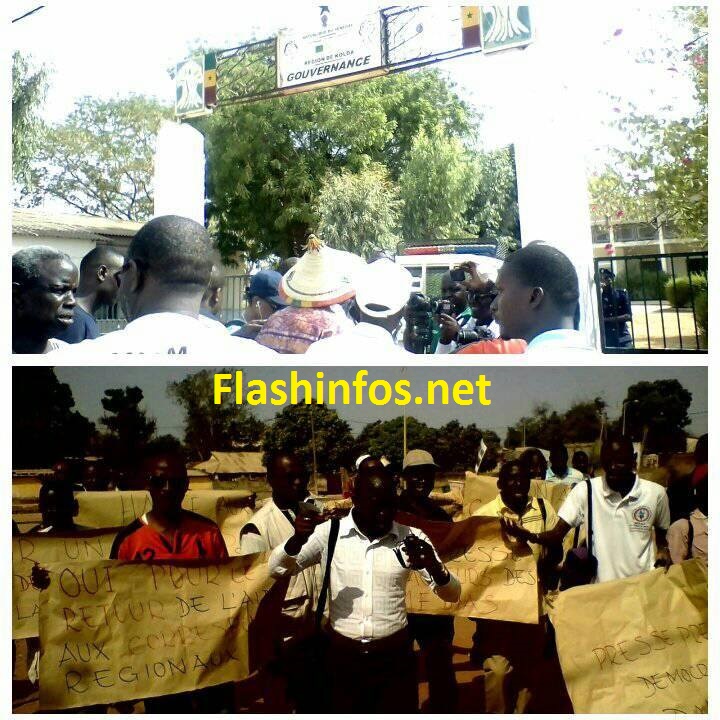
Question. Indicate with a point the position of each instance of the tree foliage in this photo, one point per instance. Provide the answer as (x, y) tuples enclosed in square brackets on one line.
[(359, 212), (436, 186), (494, 208), (45, 426), (211, 427), (292, 431), (267, 161), (100, 160), (666, 167), (453, 446), (29, 87), (545, 427), (128, 429), (657, 412)]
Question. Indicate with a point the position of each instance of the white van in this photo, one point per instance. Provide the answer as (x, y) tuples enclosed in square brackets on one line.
[(428, 269)]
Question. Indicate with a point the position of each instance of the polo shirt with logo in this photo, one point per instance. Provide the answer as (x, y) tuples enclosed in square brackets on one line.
[(622, 526)]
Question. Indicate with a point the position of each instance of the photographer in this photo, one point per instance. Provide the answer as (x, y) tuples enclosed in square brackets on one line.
[(480, 293), (454, 314)]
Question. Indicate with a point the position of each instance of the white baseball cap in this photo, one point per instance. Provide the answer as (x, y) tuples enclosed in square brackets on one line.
[(383, 284)]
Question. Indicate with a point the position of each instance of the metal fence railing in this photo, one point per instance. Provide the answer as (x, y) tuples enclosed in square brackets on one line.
[(233, 297), (665, 296)]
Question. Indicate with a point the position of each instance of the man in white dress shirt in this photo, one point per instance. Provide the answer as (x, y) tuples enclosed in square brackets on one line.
[(558, 470), (370, 664)]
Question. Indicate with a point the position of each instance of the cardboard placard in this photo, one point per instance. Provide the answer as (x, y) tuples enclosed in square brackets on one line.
[(637, 645), (44, 549), (497, 581), (114, 631)]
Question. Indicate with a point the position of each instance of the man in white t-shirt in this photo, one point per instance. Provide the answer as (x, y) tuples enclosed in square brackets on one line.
[(626, 510), (161, 285), (382, 290), (558, 470)]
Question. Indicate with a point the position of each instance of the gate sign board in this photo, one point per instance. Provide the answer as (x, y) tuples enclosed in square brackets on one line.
[(505, 26), (190, 87), (310, 57)]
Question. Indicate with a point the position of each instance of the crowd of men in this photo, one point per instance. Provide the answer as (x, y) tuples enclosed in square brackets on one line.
[(327, 304), (344, 641)]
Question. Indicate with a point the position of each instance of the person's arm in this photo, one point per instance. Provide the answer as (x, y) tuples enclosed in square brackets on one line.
[(548, 538), (423, 558), (677, 540), (662, 523), (303, 548)]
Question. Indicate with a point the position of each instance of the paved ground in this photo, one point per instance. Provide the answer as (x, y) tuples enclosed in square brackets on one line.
[(677, 324)]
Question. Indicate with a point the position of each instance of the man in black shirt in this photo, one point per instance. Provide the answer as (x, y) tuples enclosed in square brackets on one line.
[(616, 311), (98, 288), (434, 633)]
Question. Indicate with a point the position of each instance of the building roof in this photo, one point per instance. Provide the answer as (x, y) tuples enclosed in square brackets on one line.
[(232, 463), (33, 223)]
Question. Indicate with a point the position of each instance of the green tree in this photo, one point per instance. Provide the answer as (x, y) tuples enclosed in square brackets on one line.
[(292, 431), (386, 438), (359, 212), (45, 426), (100, 160), (494, 207), (544, 427), (29, 88), (213, 427), (436, 186), (668, 159), (128, 429), (456, 445), (657, 412), (267, 161)]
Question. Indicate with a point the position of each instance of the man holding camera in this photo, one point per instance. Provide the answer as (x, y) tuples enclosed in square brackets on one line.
[(370, 663)]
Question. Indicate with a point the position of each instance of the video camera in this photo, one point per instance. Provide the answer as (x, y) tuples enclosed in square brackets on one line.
[(420, 311)]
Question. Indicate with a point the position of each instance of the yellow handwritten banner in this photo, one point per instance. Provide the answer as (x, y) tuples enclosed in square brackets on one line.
[(113, 631), (497, 581), (230, 509), (637, 645), (554, 492), (45, 549), (478, 491)]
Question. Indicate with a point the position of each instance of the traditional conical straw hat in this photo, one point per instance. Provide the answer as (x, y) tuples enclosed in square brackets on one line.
[(317, 279)]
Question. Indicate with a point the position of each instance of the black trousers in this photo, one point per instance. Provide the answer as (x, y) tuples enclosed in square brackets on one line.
[(434, 634), (374, 677)]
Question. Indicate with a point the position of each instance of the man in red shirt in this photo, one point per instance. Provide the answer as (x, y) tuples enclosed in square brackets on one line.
[(169, 532)]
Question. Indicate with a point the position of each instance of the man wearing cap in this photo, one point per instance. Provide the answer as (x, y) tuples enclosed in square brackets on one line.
[(314, 288), (433, 633), (382, 289), (262, 301), (617, 312)]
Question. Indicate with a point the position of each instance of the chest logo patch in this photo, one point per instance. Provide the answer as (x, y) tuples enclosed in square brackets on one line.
[(641, 514)]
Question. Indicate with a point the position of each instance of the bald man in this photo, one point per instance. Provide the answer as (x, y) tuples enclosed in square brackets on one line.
[(370, 663), (97, 289)]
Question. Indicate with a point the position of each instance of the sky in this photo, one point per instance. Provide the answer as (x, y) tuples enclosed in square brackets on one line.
[(105, 48), (513, 391)]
